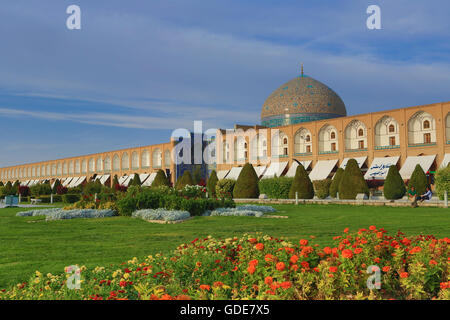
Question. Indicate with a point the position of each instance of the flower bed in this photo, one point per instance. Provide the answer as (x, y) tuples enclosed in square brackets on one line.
[(161, 214), (241, 211), (263, 267), (61, 214)]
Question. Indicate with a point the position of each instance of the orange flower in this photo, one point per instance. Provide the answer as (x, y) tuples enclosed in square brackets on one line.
[(404, 275), (280, 266), (358, 250), (286, 284), (198, 264), (386, 268), (205, 287), (218, 284), (294, 259), (303, 242), (333, 269), (347, 253), (269, 257), (372, 228), (415, 250), (294, 267), (253, 262), (327, 250), (433, 262), (259, 246), (268, 280), (251, 269), (345, 230)]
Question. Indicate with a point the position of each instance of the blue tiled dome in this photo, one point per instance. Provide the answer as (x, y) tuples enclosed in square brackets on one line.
[(302, 99)]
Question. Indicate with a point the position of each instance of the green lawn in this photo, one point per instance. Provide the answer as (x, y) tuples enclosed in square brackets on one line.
[(29, 243)]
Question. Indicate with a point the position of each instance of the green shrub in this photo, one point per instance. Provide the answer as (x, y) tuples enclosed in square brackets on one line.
[(301, 184), (322, 188), (185, 180), (55, 186), (197, 175), (75, 190), (224, 188), (276, 188), (160, 179), (442, 182), (246, 186), (15, 187), (8, 190), (211, 185), (92, 188), (418, 180), (71, 198), (40, 190), (334, 187), (136, 180), (115, 182), (107, 197), (352, 181), (394, 186)]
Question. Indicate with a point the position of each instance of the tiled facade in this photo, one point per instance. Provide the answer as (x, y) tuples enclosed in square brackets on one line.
[(412, 131)]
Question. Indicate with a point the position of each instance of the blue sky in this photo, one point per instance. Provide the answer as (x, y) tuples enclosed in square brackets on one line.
[(139, 69)]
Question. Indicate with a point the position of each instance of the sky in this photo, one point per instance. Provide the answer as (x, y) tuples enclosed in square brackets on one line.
[(137, 70)]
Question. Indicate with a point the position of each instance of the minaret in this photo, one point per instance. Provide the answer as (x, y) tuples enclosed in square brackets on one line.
[(302, 71)]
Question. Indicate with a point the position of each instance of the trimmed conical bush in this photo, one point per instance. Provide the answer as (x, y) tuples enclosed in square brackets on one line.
[(185, 180), (418, 180), (394, 186), (247, 183), (352, 181), (160, 179), (55, 186), (136, 180), (115, 183), (301, 184), (334, 187), (212, 182)]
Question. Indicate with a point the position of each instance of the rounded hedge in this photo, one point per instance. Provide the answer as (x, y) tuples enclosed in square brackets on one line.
[(352, 181), (160, 179), (276, 188), (301, 184), (334, 187), (394, 186), (185, 180), (322, 188), (418, 180), (442, 180), (212, 182), (247, 183)]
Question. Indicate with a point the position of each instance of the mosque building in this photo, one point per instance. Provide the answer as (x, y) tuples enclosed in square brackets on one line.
[(303, 121)]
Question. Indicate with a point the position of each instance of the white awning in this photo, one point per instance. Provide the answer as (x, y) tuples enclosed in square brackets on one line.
[(143, 177), (234, 173), (359, 160), (322, 169), (122, 179), (221, 174), (79, 181), (98, 177), (104, 178), (149, 180), (411, 163), (275, 168), (379, 168), (293, 168), (73, 182), (260, 170), (446, 160), (128, 181), (67, 182)]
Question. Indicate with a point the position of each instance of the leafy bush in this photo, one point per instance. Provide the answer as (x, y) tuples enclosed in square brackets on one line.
[(75, 190), (161, 214), (136, 181), (246, 186), (276, 188), (352, 181), (115, 182), (61, 190), (394, 186), (224, 188), (193, 191), (442, 180), (40, 190), (92, 188), (322, 188), (185, 180), (334, 187), (301, 184), (211, 185), (24, 191), (160, 179), (71, 198), (418, 180), (55, 186)]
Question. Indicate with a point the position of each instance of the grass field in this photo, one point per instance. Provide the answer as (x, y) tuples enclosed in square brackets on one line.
[(30, 243)]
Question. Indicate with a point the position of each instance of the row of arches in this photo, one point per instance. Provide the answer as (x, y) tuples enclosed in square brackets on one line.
[(421, 130), (93, 165)]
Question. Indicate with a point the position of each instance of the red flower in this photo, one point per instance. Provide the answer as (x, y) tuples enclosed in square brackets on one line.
[(386, 268), (372, 228), (259, 246), (294, 259), (286, 284), (269, 257), (333, 269), (280, 266), (327, 250), (205, 287), (347, 253), (268, 280), (253, 262), (251, 269), (303, 242), (345, 230), (358, 250), (404, 275), (433, 262)]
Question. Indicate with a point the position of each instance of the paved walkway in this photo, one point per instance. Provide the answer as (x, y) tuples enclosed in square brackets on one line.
[(2, 205)]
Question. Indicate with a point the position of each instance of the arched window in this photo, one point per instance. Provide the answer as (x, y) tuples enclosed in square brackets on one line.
[(391, 128), (71, 167), (125, 161), (65, 168), (135, 160), (91, 165), (145, 161), (84, 165), (386, 133), (167, 159), (108, 164), (355, 135), (258, 147), (327, 139), (360, 132), (421, 129), (116, 163), (426, 124), (157, 158), (332, 135), (99, 165), (280, 146)]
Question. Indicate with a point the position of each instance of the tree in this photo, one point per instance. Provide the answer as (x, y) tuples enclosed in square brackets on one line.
[(197, 175), (302, 185), (334, 187), (418, 180), (15, 187), (1, 184), (160, 179), (185, 180), (115, 182), (136, 180), (442, 180), (9, 190), (247, 183), (352, 181), (394, 186), (55, 186), (212, 182)]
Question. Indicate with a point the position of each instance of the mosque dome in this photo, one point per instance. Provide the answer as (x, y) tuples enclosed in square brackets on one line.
[(302, 99)]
